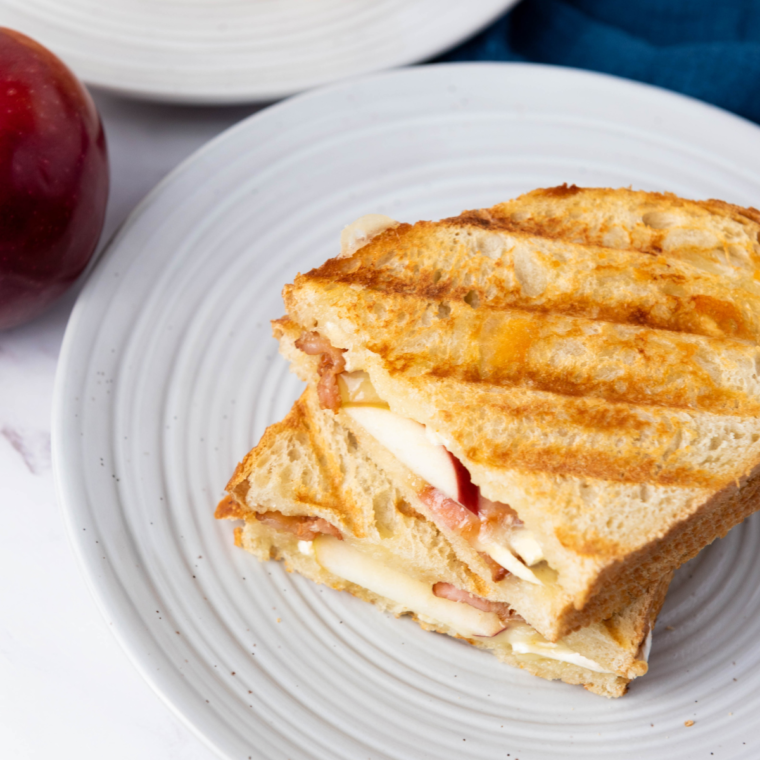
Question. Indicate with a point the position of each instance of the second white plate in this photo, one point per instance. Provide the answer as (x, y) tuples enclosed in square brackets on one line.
[(233, 51), (168, 376)]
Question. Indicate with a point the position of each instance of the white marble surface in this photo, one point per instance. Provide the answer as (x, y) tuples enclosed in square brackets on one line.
[(66, 688)]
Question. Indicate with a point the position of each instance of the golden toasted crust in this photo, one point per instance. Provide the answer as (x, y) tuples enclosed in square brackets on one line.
[(229, 508), (321, 485), (619, 269), (714, 518), (591, 356), (642, 221)]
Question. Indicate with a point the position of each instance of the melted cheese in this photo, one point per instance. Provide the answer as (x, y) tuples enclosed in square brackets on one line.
[(522, 639), (646, 647), (306, 547), (357, 234), (377, 575), (523, 542)]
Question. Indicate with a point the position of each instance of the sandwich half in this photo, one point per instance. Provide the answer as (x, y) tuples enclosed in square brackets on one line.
[(311, 495), (584, 366)]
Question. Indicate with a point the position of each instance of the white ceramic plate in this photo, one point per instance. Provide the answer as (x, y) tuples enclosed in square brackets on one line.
[(168, 376), (233, 51)]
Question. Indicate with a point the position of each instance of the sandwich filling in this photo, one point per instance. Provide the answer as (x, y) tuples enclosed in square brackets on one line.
[(441, 605), (491, 528)]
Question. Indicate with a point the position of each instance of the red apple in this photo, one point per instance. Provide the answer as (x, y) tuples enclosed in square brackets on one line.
[(53, 178)]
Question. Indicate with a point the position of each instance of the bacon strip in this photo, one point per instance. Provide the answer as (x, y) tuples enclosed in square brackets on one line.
[(312, 343), (498, 573), (454, 594), (496, 512), (331, 365), (451, 513), (496, 520), (304, 528)]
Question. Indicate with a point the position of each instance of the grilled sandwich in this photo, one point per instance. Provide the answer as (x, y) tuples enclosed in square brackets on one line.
[(312, 496), (587, 359), (533, 413)]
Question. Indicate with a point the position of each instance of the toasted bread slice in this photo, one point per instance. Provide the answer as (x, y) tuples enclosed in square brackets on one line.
[(310, 467), (591, 358)]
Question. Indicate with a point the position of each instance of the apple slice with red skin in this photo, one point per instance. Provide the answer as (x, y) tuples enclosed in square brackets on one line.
[(468, 492), (452, 497), (408, 441)]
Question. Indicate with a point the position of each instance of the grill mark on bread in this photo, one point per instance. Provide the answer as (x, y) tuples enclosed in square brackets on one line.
[(660, 293), (549, 229), (602, 441), (562, 355), (618, 442), (608, 441), (591, 438), (597, 464)]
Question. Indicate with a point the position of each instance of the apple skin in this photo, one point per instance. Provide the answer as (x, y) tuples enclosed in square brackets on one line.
[(53, 178), (468, 492)]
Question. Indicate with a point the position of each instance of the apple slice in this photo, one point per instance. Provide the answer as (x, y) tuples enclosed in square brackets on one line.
[(422, 453), (503, 556), (346, 561), (418, 448), (524, 543), (409, 443)]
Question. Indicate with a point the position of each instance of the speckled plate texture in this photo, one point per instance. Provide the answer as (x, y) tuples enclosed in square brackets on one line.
[(232, 51), (168, 375)]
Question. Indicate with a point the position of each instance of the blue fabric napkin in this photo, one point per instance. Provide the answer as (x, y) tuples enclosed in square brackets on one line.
[(709, 49)]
